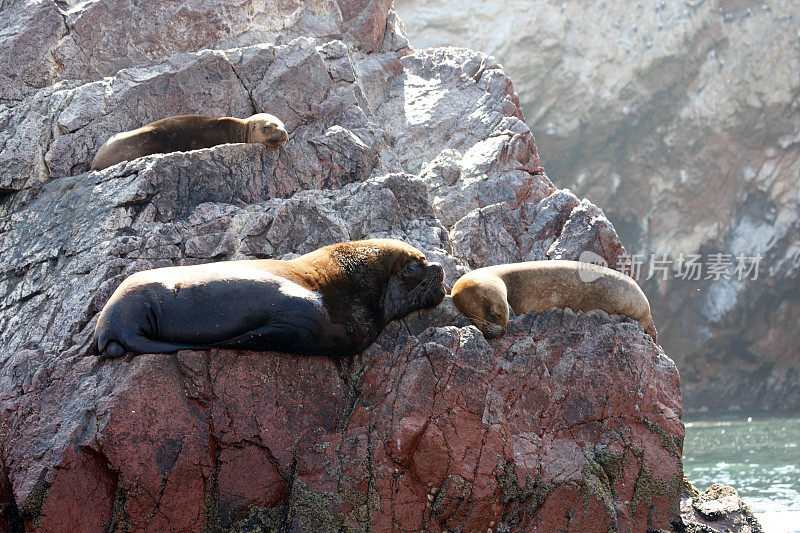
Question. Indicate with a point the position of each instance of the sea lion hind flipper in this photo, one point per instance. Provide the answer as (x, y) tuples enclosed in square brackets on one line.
[(112, 351)]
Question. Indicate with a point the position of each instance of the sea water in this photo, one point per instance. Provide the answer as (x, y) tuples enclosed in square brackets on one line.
[(759, 455)]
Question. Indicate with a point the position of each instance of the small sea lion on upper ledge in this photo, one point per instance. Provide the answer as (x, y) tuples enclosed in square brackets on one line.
[(333, 301), (485, 294), (189, 132)]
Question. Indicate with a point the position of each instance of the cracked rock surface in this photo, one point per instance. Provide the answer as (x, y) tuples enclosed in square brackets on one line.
[(571, 421), (682, 119)]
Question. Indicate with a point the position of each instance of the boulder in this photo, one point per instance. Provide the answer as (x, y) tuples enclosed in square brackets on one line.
[(718, 509)]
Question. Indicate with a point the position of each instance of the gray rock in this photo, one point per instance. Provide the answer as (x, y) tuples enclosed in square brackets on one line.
[(49, 41)]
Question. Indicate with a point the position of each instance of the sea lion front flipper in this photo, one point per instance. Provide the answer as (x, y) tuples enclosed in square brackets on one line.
[(140, 344), (274, 337)]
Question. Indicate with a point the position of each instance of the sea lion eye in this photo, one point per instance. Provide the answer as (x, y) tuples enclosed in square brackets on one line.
[(266, 128), (413, 269)]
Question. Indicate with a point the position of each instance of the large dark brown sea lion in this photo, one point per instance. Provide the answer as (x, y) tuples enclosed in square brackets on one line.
[(188, 132), (485, 294), (333, 301)]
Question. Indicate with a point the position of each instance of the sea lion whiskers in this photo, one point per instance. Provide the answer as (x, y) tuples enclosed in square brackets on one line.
[(424, 284), (433, 279), (478, 320), (489, 329)]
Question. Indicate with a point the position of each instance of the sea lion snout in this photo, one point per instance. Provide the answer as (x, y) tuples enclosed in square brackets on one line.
[(278, 138), (435, 270), (492, 331), (432, 281)]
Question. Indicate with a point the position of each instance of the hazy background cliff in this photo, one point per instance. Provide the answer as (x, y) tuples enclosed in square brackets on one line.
[(682, 119)]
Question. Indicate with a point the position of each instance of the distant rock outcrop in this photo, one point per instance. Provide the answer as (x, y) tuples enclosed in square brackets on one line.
[(682, 119), (571, 421)]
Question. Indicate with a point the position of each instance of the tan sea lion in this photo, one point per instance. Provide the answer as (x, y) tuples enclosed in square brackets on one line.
[(333, 301), (189, 132), (485, 294)]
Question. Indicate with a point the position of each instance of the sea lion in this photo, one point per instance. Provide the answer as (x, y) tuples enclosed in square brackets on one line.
[(485, 294), (332, 301), (189, 132)]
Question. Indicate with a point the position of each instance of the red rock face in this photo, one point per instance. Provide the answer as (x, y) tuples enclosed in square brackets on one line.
[(570, 422)]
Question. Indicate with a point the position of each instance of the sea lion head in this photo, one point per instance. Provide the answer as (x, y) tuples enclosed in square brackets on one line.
[(266, 129), (396, 275), (485, 301), (414, 283)]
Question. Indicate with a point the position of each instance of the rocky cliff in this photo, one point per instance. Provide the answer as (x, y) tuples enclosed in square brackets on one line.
[(571, 421), (682, 119)]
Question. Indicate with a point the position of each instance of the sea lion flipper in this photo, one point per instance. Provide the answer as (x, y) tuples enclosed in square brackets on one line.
[(141, 344), (270, 337), (112, 351)]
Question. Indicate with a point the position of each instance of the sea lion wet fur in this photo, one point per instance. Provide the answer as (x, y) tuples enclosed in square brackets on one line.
[(189, 132), (485, 294), (333, 301)]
